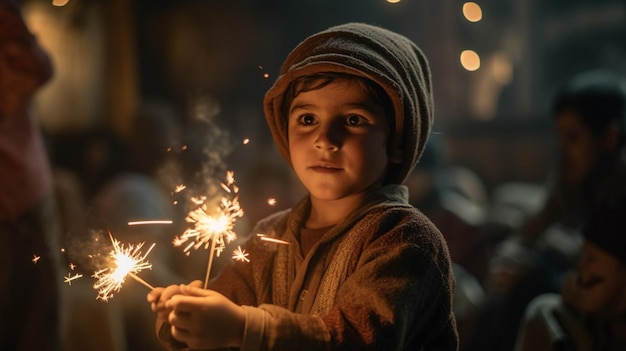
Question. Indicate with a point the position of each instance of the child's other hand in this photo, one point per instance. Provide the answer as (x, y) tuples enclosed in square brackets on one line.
[(205, 319)]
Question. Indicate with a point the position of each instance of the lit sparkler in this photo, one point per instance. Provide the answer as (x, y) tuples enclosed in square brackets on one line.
[(127, 261), (213, 228)]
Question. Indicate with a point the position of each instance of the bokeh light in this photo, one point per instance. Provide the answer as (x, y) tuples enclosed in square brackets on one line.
[(472, 12), (470, 60), (60, 2)]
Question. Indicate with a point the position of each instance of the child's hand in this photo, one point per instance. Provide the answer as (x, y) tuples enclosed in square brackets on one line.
[(205, 319)]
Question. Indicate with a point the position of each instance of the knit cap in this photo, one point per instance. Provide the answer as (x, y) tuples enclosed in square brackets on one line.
[(389, 59), (606, 227)]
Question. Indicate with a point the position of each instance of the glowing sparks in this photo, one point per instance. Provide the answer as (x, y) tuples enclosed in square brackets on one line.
[(179, 188), (213, 226), (72, 266), (271, 201), (265, 75), (240, 255), (272, 240), (68, 279), (127, 261), (149, 222), (36, 259), (246, 141)]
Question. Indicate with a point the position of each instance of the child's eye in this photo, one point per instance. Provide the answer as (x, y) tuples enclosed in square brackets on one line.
[(355, 120), (307, 120)]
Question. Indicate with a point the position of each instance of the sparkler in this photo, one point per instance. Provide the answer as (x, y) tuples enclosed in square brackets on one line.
[(213, 228), (127, 261)]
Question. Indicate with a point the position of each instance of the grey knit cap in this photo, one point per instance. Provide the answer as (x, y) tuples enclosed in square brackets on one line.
[(387, 58)]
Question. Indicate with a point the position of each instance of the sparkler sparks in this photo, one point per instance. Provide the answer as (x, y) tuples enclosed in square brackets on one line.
[(36, 259), (213, 228), (68, 279), (149, 222), (127, 261), (272, 240), (240, 255)]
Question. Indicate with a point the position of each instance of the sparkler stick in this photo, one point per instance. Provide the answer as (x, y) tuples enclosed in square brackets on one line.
[(208, 268), (136, 277)]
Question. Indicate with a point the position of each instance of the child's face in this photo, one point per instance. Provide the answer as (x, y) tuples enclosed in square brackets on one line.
[(337, 140), (578, 147), (602, 282)]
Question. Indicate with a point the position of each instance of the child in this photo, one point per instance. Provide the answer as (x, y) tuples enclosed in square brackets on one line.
[(351, 112), (590, 312)]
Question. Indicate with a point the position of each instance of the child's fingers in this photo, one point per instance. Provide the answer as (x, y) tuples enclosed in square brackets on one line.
[(180, 326), (196, 283), (183, 303), (194, 291), (154, 295)]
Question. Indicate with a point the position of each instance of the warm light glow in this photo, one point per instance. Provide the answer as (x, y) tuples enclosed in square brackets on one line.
[(393, 1), (60, 2), (502, 68), (472, 12), (470, 60)]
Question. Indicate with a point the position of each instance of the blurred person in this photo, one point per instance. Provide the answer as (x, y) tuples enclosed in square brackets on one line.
[(589, 113), (29, 223), (590, 312)]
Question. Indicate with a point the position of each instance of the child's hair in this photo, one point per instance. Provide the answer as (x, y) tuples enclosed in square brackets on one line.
[(598, 98), (319, 80), (394, 64)]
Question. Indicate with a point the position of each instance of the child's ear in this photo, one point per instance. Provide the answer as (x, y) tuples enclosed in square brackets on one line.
[(396, 156)]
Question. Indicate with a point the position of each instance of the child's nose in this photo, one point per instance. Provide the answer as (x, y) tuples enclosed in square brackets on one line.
[(328, 138)]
